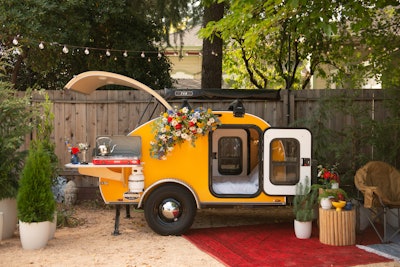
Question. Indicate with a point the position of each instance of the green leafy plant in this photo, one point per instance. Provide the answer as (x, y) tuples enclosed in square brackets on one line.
[(15, 124), (304, 202), (35, 200), (336, 194)]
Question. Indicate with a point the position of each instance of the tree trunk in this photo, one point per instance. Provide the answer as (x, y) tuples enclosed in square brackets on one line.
[(211, 71)]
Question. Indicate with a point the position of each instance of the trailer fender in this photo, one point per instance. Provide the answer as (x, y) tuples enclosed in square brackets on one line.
[(168, 181)]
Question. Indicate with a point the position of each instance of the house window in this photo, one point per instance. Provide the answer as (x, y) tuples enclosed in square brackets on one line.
[(230, 155)]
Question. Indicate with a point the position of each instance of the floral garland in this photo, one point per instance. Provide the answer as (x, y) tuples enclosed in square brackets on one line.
[(177, 126)]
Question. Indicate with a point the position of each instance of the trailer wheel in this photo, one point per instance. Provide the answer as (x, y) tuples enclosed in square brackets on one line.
[(170, 210)]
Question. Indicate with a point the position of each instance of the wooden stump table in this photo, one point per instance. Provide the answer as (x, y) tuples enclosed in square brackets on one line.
[(337, 228)]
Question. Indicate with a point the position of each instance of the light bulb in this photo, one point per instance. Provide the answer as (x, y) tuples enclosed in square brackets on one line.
[(17, 51), (125, 54), (15, 41), (142, 55), (65, 49), (108, 53), (86, 51), (41, 45)]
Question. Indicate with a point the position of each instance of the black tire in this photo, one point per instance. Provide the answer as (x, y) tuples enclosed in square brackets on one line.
[(183, 216)]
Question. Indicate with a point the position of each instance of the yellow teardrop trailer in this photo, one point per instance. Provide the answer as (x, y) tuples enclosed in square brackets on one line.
[(238, 160)]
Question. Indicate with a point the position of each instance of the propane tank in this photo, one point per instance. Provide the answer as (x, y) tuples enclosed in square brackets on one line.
[(136, 180)]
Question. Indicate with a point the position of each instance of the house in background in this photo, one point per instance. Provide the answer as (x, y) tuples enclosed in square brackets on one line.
[(186, 60)]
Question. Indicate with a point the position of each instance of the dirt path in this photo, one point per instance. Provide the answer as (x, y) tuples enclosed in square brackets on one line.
[(92, 242)]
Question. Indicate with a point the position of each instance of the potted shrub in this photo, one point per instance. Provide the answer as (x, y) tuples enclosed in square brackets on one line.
[(304, 203), (35, 200), (15, 124)]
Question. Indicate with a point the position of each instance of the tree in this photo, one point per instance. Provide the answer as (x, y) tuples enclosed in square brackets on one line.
[(283, 43), (106, 28), (211, 73)]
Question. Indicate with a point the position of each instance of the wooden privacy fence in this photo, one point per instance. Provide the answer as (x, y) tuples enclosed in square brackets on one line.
[(81, 118)]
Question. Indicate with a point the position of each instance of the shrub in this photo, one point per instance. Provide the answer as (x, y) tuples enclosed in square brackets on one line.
[(35, 200)]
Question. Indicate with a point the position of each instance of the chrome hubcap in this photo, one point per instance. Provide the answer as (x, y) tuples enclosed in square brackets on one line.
[(170, 209)]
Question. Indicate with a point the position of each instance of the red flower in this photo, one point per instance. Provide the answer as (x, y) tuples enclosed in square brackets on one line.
[(178, 126), (327, 175), (74, 150)]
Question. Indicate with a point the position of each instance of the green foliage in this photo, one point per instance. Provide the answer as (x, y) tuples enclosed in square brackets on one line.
[(296, 39), (122, 25), (35, 201), (15, 124), (385, 132), (305, 202), (343, 144), (45, 128), (334, 193), (365, 137)]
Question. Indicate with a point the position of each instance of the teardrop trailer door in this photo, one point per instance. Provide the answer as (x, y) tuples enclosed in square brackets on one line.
[(293, 165)]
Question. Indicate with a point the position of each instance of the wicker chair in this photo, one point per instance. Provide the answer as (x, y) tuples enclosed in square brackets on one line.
[(379, 182)]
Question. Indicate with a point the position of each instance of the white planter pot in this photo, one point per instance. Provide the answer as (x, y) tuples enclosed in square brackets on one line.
[(335, 186), (302, 230), (9, 208), (326, 203), (53, 227), (34, 235)]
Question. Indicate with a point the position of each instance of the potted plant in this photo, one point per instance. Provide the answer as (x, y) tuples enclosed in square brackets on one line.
[(35, 200), (326, 196), (304, 203), (15, 124)]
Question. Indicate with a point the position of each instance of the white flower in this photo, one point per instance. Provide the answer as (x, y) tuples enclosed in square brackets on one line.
[(174, 123), (185, 110), (184, 136), (199, 130), (210, 121)]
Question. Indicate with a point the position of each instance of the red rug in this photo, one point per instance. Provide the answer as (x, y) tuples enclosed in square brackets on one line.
[(276, 245)]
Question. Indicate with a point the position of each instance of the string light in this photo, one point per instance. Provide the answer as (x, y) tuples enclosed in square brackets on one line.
[(65, 49), (87, 50)]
